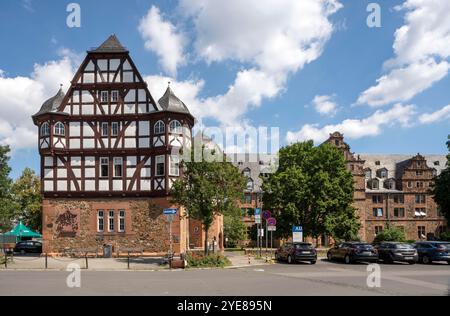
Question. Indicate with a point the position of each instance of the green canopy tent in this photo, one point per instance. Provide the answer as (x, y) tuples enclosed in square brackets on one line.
[(22, 232)]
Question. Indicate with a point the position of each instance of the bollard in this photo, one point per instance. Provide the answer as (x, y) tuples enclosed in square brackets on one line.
[(46, 261), (6, 260), (128, 261), (249, 258), (86, 258)]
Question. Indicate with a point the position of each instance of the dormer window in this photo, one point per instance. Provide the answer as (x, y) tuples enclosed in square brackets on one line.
[(437, 163), (382, 173), (368, 173), (175, 127), (160, 128), (390, 184), (377, 162), (250, 185), (60, 129), (246, 173), (45, 129), (374, 184)]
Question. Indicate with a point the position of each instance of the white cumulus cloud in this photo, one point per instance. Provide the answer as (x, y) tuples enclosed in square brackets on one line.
[(22, 96), (421, 54), (163, 38), (356, 128), (325, 105), (440, 115)]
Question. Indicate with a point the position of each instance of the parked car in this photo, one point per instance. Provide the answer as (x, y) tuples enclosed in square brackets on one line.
[(352, 252), (28, 247), (430, 251), (296, 252), (397, 251)]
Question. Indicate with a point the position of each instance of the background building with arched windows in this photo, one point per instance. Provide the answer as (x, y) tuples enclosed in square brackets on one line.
[(109, 156)]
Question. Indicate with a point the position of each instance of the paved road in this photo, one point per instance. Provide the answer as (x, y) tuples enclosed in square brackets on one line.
[(324, 278)]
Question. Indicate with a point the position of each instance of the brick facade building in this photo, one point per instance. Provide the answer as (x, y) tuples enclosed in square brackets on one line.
[(109, 155), (394, 190)]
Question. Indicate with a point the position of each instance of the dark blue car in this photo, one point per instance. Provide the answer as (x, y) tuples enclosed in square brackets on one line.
[(430, 251)]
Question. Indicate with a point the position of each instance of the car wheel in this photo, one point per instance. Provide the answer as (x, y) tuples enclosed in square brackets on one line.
[(426, 260), (313, 262), (289, 259), (329, 257), (347, 259)]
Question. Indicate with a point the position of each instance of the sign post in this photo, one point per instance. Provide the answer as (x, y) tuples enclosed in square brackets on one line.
[(266, 216), (258, 223), (170, 214), (271, 227), (297, 234)]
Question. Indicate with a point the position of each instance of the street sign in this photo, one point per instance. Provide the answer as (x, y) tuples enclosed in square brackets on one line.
[(169, 211), (297, 234), (257, 215), (271, 221), (266, 215), (271, 228)]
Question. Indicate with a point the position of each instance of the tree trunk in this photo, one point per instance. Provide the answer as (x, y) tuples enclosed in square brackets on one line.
[(206, 240)]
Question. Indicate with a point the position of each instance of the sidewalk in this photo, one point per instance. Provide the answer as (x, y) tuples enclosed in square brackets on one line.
[(241, 260), (95, 264)]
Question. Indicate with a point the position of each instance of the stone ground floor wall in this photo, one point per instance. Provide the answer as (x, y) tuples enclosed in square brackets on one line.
[(70, 224)]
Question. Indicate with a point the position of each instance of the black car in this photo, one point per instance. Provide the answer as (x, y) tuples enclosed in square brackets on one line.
[(397, 251), (352, 252), (28, 247), (296, 252), (430, 251)]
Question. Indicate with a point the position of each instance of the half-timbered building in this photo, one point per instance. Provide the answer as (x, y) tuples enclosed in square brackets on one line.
[(109, 157)]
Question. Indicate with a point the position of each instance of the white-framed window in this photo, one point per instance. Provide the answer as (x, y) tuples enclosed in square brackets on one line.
[(104, 167), (368, 173), (100, 221), (246, 173), (378, 212), (249, 186), (160, 128), (121, 221), (160, 165), (118, 163), (175, 127), (60, 130), (114, 128), (45, 129), (111, 220), (105, 129), (104, 96), (114, 96), (174, 166)]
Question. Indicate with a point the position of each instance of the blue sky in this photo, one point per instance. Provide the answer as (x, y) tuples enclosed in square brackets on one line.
[(219, 70)]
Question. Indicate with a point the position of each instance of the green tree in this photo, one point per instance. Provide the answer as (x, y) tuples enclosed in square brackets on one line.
[(441, 188), (26, 192), (313, 188), (6, 207), (234, 229), (209, 187), (391, 234)]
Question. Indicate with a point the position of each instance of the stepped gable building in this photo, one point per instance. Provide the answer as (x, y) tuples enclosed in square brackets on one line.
[(394, 190), (109, 157)]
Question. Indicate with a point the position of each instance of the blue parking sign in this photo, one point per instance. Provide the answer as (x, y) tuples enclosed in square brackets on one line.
[(297, 229)]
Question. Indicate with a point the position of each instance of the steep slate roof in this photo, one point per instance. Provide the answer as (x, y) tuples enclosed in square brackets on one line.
[(111, 45), (170, 102), (395, 164), (52, 104)]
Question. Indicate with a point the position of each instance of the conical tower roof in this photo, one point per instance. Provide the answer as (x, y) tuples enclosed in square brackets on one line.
[(170, 102)]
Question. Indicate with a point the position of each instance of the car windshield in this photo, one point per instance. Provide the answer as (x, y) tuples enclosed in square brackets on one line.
[(302, 246), (404, 246)]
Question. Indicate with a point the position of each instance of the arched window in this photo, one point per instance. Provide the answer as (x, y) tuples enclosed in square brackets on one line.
[(368, 173), (249, 185), (45, 129), (59, 129), (175, 127), (246, 172), (160, 127)]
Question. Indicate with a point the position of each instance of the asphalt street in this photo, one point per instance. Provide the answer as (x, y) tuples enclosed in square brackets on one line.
[(324, 278)]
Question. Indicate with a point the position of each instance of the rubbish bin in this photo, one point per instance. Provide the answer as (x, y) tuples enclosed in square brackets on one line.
[(107, 251)]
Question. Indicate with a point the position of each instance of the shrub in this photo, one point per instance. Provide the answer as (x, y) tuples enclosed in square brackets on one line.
[(444, 236), (391, 234), (199, 260)]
